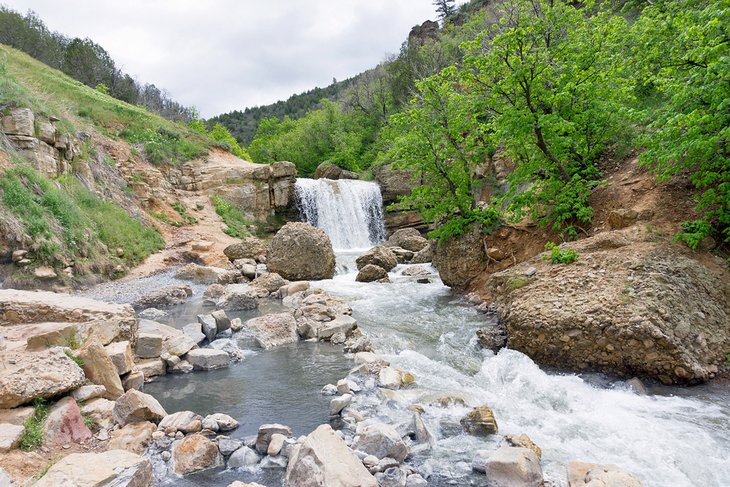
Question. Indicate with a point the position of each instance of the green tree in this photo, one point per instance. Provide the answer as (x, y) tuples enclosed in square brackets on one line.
[(445, 9), (552, 78), (685, 56), (442, 138)]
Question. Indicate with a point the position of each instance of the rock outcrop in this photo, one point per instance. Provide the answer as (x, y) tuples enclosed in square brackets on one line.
[(324, 460), (301, 252), (626, 306)]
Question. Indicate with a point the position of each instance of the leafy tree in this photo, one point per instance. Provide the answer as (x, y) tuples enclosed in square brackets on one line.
[(685, 56), (551, 76), (442, 139)]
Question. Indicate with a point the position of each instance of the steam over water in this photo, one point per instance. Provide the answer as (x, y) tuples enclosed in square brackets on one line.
[(350, 212)]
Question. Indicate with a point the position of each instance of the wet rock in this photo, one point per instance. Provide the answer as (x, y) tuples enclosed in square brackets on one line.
[(248, 248), (65, 424), (523, 441), (277, 462), (392, 477), (43, 374), (208, 359), (10, 436), (423, 435), (509, 467), (637, 386), (300, 252), (594, 475), (114, 467), (195, 453), (415, 480), (324, 460), (392, 378), (493, 337), (238, 297), (379, 256), (329, 390), (185, 421), (273, 330), (381, 440), (209, 327), (408, 239), (480, 422), (358, 344), (223, 421), (120, 354), (228, 445), (134, 437), (339, 403), (222, 322), (135, 406), (371, 273), (263, 438), (164, 297), (342, 324), (243, 457), (195, 332)]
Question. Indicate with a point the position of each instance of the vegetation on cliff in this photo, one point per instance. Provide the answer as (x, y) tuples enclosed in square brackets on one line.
[(557, 89)]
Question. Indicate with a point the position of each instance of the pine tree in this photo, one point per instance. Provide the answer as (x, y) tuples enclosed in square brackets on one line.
[(445, 9)]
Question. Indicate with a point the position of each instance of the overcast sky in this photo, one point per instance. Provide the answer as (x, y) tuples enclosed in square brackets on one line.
[(222, 55)]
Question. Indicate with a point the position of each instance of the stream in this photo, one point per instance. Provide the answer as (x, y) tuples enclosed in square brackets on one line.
[(672, 437)]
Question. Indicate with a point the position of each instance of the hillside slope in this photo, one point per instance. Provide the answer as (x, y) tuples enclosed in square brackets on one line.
[(91, 186)]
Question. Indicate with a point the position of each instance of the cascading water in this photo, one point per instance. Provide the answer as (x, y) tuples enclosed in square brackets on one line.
[(350, 212)]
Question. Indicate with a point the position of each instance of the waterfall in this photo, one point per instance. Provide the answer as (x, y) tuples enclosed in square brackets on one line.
[(350, 212)]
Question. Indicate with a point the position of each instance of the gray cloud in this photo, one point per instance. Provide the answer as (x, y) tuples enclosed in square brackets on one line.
[(222, 55)]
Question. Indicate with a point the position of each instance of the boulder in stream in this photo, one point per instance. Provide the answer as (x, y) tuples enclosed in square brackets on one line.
[(372, 273), (509, 467), (381, 440), (480, 422), (408, 239), (195, 453), (582, 474), (324, 460), (380, 256), (301, 252)]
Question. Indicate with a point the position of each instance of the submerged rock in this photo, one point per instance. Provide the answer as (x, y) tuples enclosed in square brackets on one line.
[(324, 460), (301, 252)]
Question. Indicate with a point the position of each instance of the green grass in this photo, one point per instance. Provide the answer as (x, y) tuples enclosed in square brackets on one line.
[(66, 219), (78, 360), (54, 93), (558, 256), (33, 435), (234, 219)]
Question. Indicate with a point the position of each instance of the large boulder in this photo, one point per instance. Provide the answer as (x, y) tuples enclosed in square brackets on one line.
[(461, 258), (135, 406), (381, 440), (248, 248), (105, 321), (324, 460), (380, 256), (625, 307), (208, 359), (408, 239), (135, 437), (273, 330), (113, 467), (300, 252), (32, 375), (270, 281), (327, 170), (195, 453)]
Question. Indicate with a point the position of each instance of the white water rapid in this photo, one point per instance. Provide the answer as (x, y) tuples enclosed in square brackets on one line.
[(673, 437), (350, 212)]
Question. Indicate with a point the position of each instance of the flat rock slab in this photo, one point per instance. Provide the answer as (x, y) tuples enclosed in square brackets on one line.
[(43, 374), (273, 330), (208, 359), (114, 467)]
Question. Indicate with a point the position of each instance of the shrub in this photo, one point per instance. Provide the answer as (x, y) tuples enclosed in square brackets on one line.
[(33, 435), (233, 217), (558, 256)]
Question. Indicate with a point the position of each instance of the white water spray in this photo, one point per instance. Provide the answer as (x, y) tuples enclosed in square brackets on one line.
[(350, 212)]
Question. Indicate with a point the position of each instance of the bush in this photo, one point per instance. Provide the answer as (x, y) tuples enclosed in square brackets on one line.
[(558, 256)]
